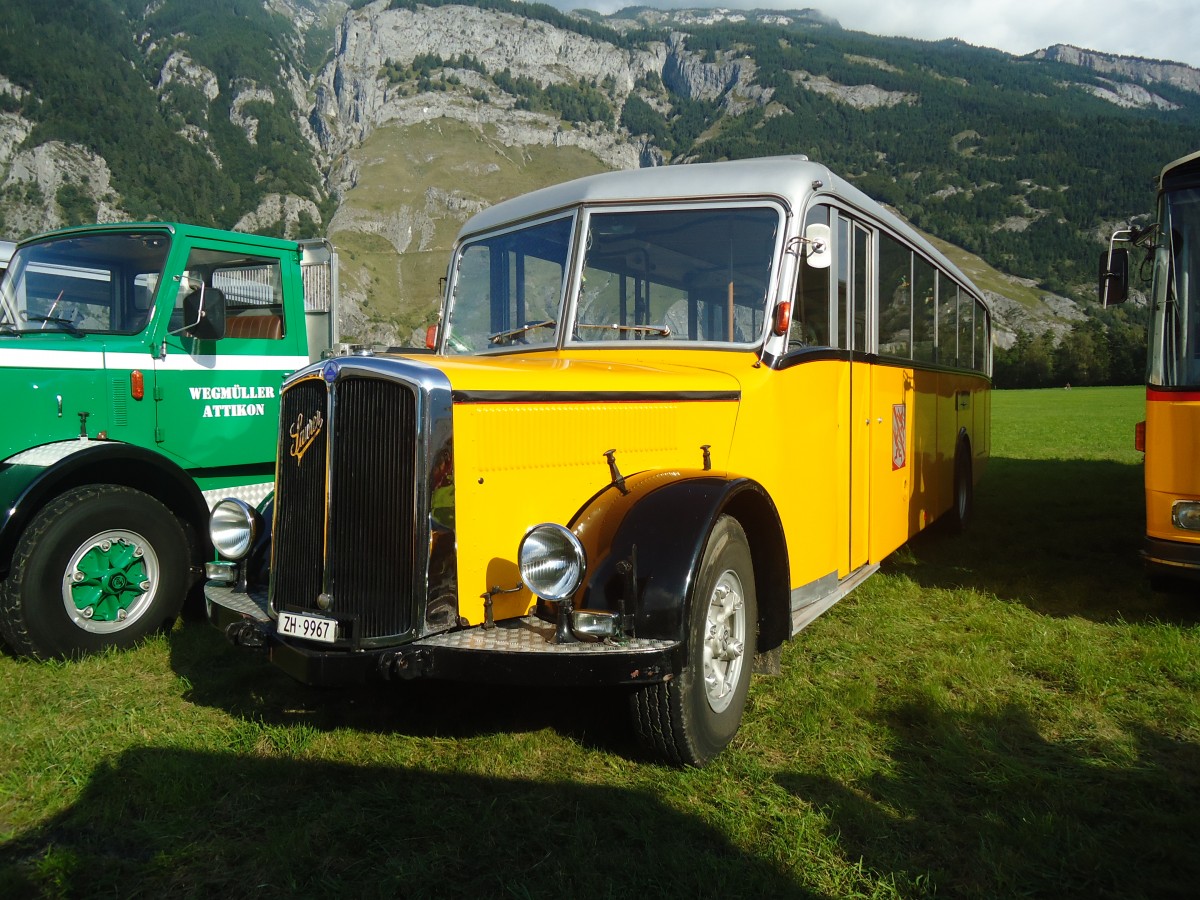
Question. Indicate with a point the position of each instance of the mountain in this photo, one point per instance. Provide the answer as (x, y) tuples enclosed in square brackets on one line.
[(385, 124), (115, 109)]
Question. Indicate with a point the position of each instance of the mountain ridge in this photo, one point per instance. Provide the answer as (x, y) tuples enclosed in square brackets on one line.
[(1023, 161)]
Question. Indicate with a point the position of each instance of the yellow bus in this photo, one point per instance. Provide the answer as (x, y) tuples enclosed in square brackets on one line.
[(1170, 434), (670, 417)]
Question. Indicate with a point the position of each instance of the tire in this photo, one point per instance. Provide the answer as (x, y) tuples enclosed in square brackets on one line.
[(99, 566), (693, 717), (964, 490)]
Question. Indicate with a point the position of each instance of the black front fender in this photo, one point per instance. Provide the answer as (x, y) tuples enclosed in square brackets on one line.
[(644, 544), (26, 487)]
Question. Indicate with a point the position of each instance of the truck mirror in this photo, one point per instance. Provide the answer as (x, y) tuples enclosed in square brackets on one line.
[(1113, 283), (204, 313)]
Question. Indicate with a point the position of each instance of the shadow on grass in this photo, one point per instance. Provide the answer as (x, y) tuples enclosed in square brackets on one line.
[(1062, 537), (985, 807), (244, 684), (160, 822)]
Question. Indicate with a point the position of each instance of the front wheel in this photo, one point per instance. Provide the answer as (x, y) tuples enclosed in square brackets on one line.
[(99, 566), (692, 718)]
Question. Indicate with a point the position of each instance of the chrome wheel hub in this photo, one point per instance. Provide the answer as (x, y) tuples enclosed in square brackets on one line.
[(724, 641)]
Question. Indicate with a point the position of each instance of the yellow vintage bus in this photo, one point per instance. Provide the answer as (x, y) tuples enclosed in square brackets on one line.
[(670, 417), (1170, 434)]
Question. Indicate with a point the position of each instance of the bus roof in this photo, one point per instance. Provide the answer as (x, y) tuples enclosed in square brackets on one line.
[(792, 179)]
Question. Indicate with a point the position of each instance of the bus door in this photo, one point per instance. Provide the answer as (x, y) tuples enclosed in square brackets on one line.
[(853, 260)]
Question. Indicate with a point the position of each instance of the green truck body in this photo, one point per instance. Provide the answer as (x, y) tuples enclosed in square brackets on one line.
[(140, 367)]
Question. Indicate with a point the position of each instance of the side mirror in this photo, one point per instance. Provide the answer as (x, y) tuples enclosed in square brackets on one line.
[(1113, 281), (818, 245), (204, 313)]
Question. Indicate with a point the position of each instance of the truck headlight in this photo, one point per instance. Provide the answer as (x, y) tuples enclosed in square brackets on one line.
[(552, 561), (233, 527), (1186, 514)]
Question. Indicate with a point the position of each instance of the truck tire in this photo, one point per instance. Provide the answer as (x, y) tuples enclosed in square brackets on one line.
[(99, 566), (693, 717)]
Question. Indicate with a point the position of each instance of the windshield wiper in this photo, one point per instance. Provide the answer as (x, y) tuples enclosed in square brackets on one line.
[(660, 330), (517, 332), (53, 320)]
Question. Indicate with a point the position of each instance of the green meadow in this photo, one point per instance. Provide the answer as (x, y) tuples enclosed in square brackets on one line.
[(1012, 712)]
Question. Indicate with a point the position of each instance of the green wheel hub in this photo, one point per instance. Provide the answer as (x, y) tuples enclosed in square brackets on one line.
[(110, 581)]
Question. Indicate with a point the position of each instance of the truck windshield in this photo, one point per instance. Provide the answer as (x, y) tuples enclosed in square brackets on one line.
[(1174, 341), (83, 284)]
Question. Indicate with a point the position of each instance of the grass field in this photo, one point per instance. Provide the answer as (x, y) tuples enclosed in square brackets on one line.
[(1010, 713)]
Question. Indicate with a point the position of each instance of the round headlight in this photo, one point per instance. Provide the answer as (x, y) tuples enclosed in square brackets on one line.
[(552, 561), (233, 526)]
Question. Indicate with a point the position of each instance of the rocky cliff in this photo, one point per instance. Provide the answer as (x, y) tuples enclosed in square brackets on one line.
[(1146, 71)]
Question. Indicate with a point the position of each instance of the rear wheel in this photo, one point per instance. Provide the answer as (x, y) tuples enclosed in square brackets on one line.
[(692, 718), (964, 500), (99, 566)]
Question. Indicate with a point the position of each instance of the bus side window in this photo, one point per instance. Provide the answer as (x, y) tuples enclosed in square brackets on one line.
[(810, 306), (947, 322), (924, 310), (895, 298), (851, 257)]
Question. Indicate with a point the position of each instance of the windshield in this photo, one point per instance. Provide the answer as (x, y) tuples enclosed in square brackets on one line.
[(89, 284), (695, 274), (1174, 358), (508, 288), (677, 274)]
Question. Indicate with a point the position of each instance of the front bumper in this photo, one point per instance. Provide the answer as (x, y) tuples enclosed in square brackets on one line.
[(1172, 558), (514, 651)]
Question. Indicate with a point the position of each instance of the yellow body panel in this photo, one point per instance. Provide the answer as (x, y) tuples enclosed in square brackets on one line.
[(522, 460), (788, 440), (856, 457), (1172, 472)]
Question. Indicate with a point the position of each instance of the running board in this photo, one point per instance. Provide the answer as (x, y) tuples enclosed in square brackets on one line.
[(805, 615)]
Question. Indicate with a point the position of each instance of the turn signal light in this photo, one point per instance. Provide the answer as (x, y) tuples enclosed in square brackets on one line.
[(1139, 436), (137, 385), (431, 337), (783, 317)]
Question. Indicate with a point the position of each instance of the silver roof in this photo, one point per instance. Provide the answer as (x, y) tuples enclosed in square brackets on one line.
[(790, 178)]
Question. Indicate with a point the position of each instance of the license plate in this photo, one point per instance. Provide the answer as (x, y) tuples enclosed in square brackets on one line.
[(311, 628)]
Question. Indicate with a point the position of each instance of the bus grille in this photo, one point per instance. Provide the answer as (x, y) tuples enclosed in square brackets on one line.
[(298, 538), (370, 445)]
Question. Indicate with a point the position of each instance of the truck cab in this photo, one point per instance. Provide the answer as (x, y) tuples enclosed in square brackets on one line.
[(6, 252), (141, 363)]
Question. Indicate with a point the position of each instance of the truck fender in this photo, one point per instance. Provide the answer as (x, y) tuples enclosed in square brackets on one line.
[(31, 478), (644, 546)]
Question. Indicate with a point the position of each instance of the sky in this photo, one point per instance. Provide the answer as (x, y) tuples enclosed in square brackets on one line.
[(1153, 29)]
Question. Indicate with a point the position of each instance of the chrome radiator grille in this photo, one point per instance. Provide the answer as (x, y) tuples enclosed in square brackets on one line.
[(361, 548)]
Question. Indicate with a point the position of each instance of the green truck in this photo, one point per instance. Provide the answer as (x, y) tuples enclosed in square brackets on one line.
[(140, 366)]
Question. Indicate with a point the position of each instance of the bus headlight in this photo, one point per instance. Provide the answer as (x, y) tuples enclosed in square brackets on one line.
[(552, 561), (233, 527), (1186, 514)]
